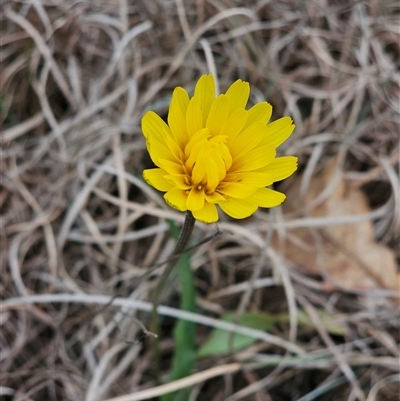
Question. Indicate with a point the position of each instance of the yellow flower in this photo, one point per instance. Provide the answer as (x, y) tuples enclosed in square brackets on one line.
[(215, 152)]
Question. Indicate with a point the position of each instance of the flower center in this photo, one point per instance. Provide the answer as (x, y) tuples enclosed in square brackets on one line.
[(206, 160)]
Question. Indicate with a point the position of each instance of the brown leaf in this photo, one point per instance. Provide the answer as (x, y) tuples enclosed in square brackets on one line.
[(346, 254)]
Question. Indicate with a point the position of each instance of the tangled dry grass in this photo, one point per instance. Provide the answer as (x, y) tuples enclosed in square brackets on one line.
[(79, 225)]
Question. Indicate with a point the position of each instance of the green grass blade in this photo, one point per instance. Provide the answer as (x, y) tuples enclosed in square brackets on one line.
[(184, 332)]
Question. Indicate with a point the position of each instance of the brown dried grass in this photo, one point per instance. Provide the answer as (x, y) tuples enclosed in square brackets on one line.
[(78, 224)]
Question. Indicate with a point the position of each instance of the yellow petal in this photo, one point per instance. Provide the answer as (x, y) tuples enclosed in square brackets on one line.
[(237, 190), (195, 200), (173, 146), (238, 208), (207, 214), (154, 126), (279, 131), (265, 197), (219, 163), (170, 166), (177, 115), (196, 138), (213, 173), (198, 149), (255, 159), (194, 116), (179, 181), (234, 125), (157, 150), (238, 93), (280, 168), (248, 139), (256, 179), (219, 113), (205, 91), (176, 198), (156, 178), (260, 112), (226, 156), (158, 138), (199, 170), (214, 197)]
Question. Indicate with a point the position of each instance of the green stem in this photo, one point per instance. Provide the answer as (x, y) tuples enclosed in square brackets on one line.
[(180, 246)]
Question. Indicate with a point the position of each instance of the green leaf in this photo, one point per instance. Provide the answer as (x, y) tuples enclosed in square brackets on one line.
[(219, 341), (331, 322)]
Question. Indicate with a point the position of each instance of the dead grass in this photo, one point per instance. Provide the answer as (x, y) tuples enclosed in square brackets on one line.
[(79, 225)]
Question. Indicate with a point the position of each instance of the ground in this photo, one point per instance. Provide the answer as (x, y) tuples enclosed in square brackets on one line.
[(311, 287)]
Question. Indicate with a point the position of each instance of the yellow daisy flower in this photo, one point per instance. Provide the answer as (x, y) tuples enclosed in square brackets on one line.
[(215, 152)]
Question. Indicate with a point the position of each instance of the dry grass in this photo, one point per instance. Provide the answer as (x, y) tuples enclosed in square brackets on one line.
[(79, 225)]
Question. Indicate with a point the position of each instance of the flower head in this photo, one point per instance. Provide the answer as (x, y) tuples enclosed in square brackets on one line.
[(215, 152)]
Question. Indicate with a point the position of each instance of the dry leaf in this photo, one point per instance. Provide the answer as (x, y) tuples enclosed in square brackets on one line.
[(347, 254)]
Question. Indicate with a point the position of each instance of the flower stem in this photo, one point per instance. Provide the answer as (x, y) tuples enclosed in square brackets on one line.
[(180, 246)]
